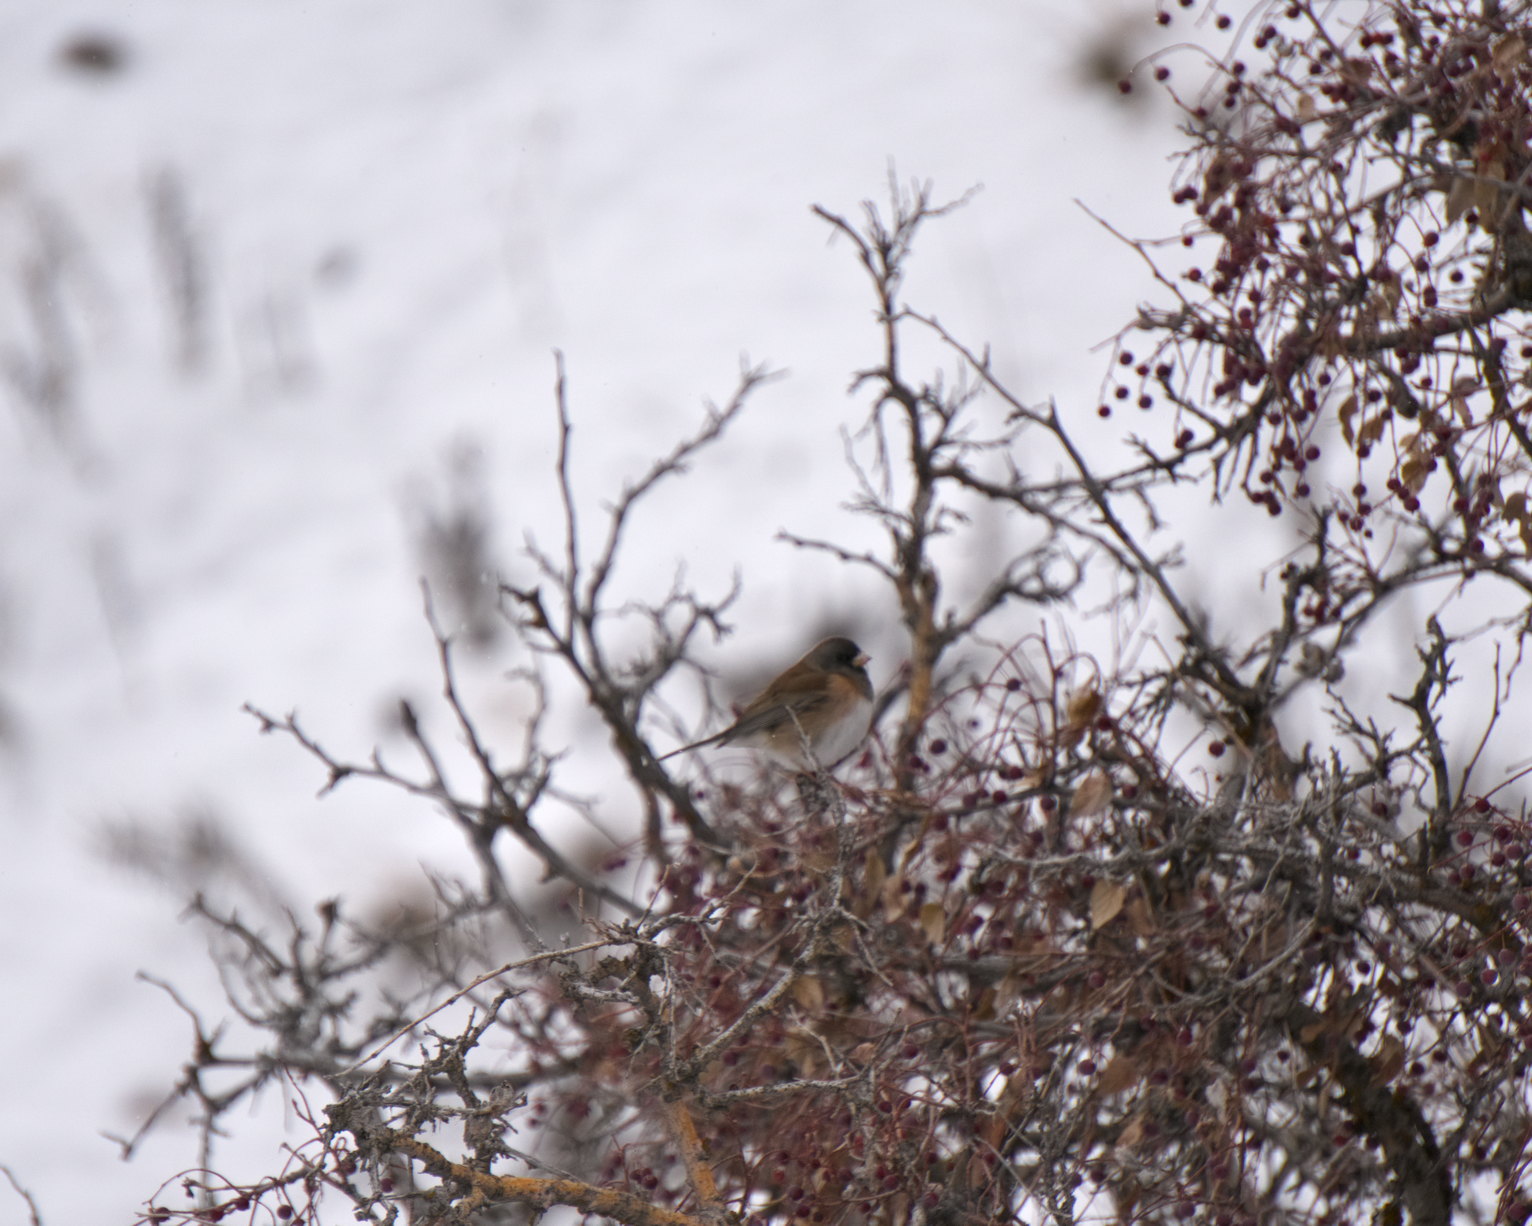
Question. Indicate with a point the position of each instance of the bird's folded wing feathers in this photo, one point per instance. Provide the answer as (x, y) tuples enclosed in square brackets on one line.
[(780, 711), (781, 708)]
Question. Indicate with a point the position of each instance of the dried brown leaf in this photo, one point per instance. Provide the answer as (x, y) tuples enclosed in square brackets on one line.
[(1122, 1072), (1372, 429), (896, 899), (809, 993), (1219, 177), (1384, 302), (804, 1051), (933, 919), (874, 874), (1093, 795), (1460, 197), (1462, 389), (1345, 415), (1388, 1060), (1081, 709), (1140, 917), (1106, 900), (1416, 466), (1488, 190), (1509, 53)]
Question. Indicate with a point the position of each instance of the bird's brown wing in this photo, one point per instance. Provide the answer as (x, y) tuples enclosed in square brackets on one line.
[(788, 698), (784, 700), (802, 689)]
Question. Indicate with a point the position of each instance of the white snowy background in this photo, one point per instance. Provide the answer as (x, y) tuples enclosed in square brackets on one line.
[(399, 211)]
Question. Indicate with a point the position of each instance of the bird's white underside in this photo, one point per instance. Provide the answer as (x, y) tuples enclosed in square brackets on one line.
[(786, 745)]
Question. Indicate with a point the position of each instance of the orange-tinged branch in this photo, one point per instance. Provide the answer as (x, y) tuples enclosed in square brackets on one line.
[(539, 1193)]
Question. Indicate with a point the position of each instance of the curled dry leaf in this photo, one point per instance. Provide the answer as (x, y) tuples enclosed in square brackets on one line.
[(1311, 659), (1462, 389), (1515, 506), (1372, 429), (1417, 463), (1345, 415)]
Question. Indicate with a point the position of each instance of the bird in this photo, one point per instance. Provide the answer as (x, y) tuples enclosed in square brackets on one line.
[(811, 716)]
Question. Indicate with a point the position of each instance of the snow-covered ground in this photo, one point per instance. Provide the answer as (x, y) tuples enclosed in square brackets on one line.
[(386, 217)]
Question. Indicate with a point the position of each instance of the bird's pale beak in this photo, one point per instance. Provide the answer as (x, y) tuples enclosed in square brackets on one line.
[(861, 659)]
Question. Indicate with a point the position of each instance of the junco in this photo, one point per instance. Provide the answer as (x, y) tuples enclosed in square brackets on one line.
[(822, 704)]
